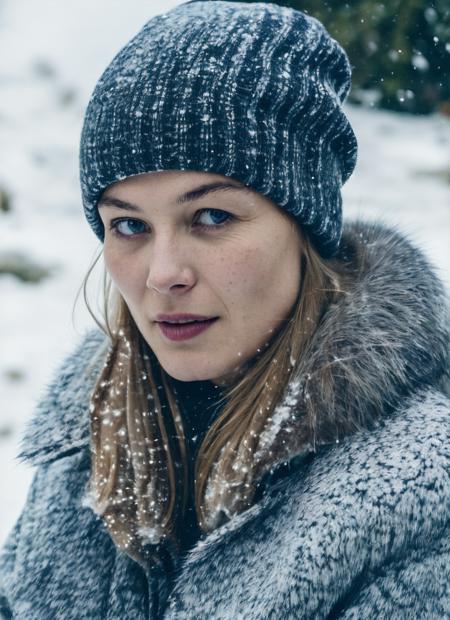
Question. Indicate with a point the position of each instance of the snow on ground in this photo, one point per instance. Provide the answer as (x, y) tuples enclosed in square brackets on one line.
[(59, 50)]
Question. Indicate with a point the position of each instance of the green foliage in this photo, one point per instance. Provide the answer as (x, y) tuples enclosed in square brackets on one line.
[(5, 201), (399, 50), (23, 268)]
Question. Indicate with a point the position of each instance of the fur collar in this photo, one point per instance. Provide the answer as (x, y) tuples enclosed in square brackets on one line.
[(384, 339)]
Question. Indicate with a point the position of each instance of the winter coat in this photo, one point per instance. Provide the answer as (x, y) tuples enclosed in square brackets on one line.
[(356, 530)]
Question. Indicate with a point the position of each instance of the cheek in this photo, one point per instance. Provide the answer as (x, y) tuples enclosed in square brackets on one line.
[(266, 265), (264, 280), (123, 271), (248, 273), (240, 271)]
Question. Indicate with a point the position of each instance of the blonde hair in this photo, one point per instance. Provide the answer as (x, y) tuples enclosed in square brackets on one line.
[(140, 467)]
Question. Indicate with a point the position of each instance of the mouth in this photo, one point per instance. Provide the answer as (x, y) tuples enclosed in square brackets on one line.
[(184, 330), (181, 318)]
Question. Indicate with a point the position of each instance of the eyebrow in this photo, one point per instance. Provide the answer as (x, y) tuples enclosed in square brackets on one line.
[(190, 196)]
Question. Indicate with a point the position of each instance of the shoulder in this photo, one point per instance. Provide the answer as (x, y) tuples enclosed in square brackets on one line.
[(395, 477), (381, 492), (60, 420), (368, 512), (382, 501), (407, 452), (376, 494)]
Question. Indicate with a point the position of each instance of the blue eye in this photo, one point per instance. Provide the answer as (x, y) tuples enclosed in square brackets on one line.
[(223, 217), (130, 227), (127, 223)]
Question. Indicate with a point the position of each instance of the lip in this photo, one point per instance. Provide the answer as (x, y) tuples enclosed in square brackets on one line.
[(182, 317), (185, 332)]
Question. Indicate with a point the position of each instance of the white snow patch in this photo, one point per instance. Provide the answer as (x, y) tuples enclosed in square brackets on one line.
[(280, 416)]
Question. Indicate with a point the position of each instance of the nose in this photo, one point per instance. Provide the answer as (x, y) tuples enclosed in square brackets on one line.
[(168, 269)]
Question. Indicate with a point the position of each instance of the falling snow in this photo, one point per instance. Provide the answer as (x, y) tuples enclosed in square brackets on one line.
[(401, 165)]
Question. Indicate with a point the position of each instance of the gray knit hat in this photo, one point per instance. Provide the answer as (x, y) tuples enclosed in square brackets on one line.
[(250, 91)]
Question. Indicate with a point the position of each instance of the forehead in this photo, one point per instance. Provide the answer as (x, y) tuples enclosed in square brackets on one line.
[(170, 181)]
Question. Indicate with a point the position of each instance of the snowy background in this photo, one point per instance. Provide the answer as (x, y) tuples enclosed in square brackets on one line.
[(51, 54)]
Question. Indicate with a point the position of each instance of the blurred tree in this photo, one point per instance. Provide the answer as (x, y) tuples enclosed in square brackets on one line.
[(399, 50), (5, 201)]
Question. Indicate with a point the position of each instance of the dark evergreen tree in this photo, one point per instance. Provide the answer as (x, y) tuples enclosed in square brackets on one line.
[(399, 50)]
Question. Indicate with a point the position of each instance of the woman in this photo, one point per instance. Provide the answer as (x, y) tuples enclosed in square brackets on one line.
[(285, 454)]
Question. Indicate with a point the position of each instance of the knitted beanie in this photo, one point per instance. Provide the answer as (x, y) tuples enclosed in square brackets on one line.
[(252, 91)]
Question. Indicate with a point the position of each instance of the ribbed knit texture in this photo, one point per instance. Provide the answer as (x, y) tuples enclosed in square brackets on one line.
[(250, 91)]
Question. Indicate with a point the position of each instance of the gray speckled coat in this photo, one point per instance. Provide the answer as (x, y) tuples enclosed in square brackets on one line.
[(356, 530)]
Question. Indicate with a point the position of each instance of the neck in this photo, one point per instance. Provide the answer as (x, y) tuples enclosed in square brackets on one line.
[(198, 402)]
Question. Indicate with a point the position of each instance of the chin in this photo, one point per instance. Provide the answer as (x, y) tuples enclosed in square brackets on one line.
[(188, 377), (187, 374)]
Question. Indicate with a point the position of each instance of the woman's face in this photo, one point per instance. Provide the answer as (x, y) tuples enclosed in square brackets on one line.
[(228, 253)]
